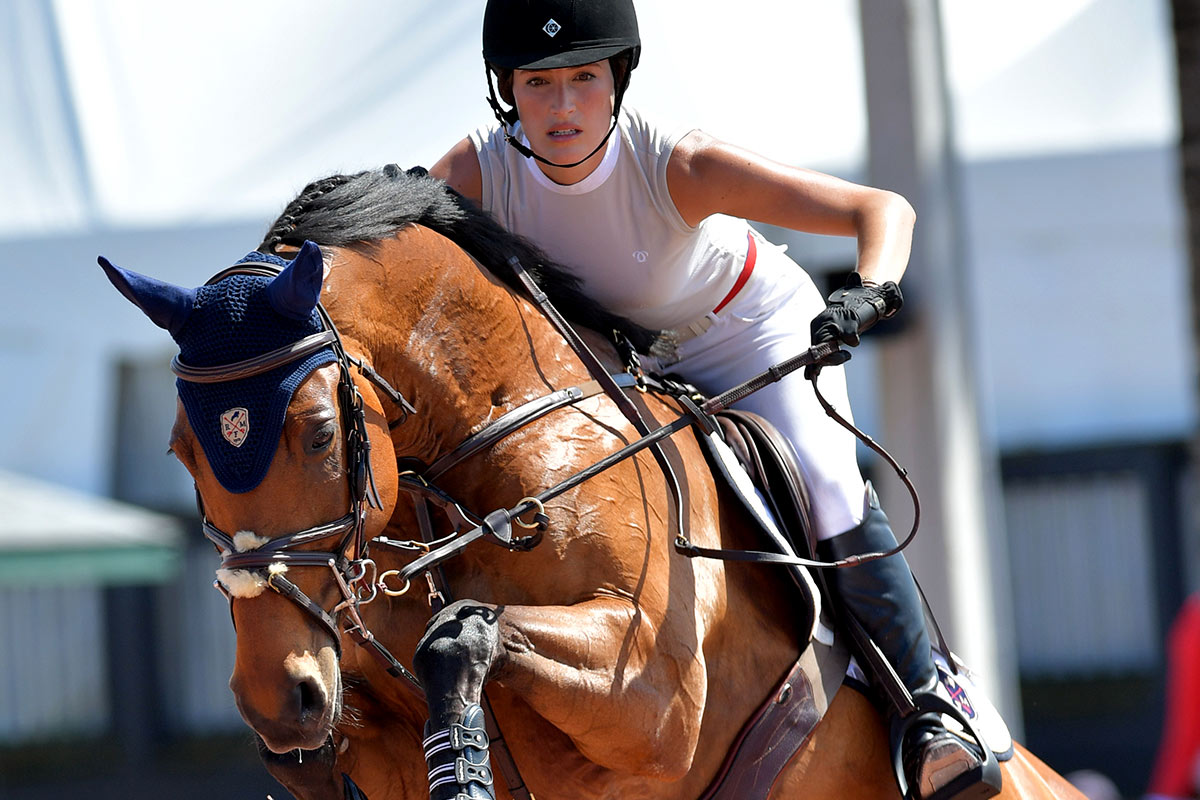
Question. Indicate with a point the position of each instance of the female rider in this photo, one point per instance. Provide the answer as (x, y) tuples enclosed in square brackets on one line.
[(654, 222)]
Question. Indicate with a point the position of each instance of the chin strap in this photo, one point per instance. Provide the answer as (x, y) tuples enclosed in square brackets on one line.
[(509, 117)]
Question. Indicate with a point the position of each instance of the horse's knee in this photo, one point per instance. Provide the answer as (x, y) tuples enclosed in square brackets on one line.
[(462, 634), (460, 647)]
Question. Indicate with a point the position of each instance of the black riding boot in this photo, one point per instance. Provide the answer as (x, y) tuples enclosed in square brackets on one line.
[(883, 597)]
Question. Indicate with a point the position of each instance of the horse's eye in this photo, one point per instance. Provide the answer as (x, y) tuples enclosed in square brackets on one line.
[(322, 438)]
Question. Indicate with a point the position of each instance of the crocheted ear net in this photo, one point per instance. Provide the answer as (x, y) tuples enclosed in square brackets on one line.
[(238, 423)]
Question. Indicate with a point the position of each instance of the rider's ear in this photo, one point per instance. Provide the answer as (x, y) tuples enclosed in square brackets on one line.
[(294, 293)]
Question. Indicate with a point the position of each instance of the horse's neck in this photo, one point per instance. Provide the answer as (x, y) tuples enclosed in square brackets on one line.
[(456, 342)]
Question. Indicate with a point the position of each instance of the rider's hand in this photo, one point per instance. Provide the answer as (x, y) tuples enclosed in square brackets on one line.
[(854, 309)]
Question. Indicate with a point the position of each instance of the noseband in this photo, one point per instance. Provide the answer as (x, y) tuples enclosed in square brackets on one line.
[(355, 574)]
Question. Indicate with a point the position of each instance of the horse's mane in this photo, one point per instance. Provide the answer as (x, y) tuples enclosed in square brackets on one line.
[(343, 210)]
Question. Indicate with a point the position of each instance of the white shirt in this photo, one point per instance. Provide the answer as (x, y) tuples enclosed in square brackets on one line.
[(618, 229)]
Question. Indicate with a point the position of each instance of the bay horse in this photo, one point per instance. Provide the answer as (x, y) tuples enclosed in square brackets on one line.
[(617, 667)]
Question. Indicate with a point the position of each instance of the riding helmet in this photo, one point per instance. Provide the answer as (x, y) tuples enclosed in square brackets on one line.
[(546, 34)]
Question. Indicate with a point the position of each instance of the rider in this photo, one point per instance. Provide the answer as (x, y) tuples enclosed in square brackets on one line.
[(654, 220)]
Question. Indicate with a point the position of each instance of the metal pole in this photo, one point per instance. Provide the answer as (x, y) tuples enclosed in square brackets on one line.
[(930, 410)]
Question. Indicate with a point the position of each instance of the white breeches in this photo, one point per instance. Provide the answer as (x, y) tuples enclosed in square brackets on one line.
[(766, 323)]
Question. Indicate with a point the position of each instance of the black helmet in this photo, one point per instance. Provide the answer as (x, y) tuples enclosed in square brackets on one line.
[(546, 34)]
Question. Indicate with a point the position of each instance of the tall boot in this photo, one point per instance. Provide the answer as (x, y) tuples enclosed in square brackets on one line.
[(882, 596)]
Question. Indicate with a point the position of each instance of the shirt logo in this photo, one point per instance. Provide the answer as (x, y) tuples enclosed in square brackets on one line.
[(552, 28), (640, 256), (235, 426)]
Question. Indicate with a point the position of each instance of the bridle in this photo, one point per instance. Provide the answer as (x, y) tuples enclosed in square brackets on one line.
[(355, 574)]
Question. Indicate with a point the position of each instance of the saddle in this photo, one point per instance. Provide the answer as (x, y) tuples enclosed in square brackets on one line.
[(761, 468), (776, 496)]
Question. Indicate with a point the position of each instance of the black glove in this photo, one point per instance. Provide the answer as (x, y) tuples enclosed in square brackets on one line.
[(854, 309)]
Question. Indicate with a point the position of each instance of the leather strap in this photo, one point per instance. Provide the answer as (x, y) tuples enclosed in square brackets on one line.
[(599, 373), (768, 741), (517, 418)]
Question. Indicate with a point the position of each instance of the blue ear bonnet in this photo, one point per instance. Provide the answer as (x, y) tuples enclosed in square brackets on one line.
[(239, 422)]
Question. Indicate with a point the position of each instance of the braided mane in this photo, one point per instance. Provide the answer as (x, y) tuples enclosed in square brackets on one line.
[(343, 210)]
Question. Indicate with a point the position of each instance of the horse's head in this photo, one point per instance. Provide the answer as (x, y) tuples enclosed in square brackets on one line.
[(275, 427)]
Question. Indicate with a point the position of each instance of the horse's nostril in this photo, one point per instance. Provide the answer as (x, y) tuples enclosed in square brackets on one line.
[(310, 698)]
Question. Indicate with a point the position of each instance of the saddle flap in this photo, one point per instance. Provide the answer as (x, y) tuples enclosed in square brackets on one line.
[(766, 481)]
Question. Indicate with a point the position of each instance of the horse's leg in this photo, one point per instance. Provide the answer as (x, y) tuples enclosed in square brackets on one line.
[(629, 693), (560, 661), (452, 661)]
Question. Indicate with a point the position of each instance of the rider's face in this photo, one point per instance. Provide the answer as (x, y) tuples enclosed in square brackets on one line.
[(565, 113)]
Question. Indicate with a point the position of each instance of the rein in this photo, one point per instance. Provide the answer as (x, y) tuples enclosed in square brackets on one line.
[(497, 525)]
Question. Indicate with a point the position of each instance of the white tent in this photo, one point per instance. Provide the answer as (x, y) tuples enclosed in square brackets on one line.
[(51, 536)]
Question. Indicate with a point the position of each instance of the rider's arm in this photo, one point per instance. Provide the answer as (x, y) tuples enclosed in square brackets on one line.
[(706, 176), (460, 169)]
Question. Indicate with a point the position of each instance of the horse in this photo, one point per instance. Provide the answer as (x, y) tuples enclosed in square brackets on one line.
[(617, 667)]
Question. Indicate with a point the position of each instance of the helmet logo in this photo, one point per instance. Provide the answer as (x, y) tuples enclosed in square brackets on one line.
[(551, 28)]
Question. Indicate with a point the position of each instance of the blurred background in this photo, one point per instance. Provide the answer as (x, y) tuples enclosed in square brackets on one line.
[(1041, 384)]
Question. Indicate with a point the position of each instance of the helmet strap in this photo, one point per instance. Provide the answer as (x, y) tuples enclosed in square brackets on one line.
[(509, 117), (504, 117)]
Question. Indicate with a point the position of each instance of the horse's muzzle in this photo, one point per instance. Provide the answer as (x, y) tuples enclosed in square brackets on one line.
[(297, 714)]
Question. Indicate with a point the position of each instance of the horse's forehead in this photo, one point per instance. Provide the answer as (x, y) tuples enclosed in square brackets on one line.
[(320, 386)]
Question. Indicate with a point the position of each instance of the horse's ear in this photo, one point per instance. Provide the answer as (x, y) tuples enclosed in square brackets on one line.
[(167, 305), (295, 292)]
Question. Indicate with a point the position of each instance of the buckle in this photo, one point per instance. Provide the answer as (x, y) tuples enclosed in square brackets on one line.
[(465, 772), (462, 737)]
